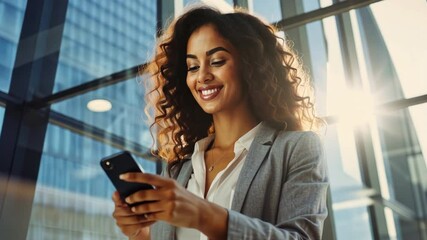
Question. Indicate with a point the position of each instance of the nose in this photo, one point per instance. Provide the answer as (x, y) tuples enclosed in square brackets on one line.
[(204, 75)]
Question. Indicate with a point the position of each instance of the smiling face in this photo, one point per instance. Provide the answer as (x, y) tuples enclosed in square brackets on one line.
[(212, 75)]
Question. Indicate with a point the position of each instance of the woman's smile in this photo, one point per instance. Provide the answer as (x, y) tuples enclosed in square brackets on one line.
[(209, 93)]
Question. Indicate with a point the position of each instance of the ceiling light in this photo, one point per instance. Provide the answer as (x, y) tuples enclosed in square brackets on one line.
[(99, 105)]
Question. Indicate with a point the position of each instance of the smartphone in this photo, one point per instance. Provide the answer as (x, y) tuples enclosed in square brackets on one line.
[(120, 163)]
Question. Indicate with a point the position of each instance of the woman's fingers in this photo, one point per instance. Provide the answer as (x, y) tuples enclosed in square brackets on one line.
[(150, 195), (132, 220), (125, 216), (169, 201), (130, 224), (122, 212), (151, 207), (117, 200), (152, 179)]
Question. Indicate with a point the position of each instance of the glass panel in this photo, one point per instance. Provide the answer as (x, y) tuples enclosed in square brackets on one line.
[(1, 118), (392, 71), (323, 3), (418, 115), (353, 224), (11, 18), (126, 117), (230, 2), (189, 2), (407, 229), (402, 139), (104, 37), (398, 135), (291, 8), (270, 10), (401, 228), (73, 195), (343, 165), (325, 63), (381, 67)]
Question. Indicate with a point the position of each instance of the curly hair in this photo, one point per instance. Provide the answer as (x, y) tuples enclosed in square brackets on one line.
[(279, 92)]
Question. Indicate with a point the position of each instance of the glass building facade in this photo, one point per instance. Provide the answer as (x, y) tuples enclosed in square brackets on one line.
[(367, 66), (11, 16)]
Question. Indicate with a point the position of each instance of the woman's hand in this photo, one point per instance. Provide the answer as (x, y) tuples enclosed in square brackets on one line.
[(172, 203), (132, 225)]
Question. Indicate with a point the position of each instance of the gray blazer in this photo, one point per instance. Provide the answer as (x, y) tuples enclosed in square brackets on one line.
[(281, 190)]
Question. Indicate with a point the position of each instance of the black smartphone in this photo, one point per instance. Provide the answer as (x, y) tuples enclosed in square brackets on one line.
[(120, 163)]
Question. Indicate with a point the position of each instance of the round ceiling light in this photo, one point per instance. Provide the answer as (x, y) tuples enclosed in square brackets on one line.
[(99, 105)]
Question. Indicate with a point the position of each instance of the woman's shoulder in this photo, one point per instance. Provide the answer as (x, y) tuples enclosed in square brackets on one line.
[(286, 138), (294, 143), (297, 137)]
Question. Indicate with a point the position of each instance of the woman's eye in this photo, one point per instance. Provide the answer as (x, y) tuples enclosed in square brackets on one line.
[(218, 63), (192, 68)]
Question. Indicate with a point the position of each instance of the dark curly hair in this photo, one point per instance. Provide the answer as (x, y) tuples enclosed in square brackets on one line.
[(277, 90)]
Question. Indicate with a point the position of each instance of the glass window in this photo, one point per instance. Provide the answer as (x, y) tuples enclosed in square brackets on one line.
[(270, 10), (189, 2), (343, 164), (406, 228), (391, 59), (11, 18), (104, 37), (318, 44), (230, 2), (401, 144), (418, 116), (385, 70), (276, 10), (397, 137), (125, 118), (353, 223), (73, 195), (346, 184), (1, 118)]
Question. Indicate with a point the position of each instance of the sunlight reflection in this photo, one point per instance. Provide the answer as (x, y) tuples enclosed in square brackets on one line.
[(354, 107), (391, 225)]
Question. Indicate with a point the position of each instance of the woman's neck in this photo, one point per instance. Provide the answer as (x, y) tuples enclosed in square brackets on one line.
[(230, 127)]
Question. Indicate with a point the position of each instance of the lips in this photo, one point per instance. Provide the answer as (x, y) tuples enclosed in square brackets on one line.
[(209, 93)]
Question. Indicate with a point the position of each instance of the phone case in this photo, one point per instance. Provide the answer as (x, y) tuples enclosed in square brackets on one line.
[(120, 163)]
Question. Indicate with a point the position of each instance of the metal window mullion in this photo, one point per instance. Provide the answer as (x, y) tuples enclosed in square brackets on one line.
[(6, 99), (321, 13)]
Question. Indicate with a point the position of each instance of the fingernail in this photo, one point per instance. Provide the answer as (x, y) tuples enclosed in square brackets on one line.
[(127, 200), (122, 176), (133, 209)]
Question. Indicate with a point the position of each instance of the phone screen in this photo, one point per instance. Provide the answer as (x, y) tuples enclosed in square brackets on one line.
[(120, 163)]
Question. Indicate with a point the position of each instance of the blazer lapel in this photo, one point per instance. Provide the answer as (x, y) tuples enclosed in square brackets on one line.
[(258, 151), (185, 173)]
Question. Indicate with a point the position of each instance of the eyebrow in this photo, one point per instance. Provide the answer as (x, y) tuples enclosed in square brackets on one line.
[(210, 52), (214, 50)]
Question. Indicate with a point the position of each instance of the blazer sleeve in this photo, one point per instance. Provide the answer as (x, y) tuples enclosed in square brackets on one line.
[(302, 206)]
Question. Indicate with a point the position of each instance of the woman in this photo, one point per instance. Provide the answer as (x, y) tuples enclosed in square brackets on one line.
[(230, 112)]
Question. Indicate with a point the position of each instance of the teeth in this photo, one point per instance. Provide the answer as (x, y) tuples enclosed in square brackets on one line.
[(209, 91)]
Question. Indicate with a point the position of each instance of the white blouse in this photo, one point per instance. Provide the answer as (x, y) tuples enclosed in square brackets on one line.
[(222, 188)]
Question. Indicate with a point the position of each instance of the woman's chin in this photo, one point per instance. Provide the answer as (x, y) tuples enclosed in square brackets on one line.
[(210, 109)]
